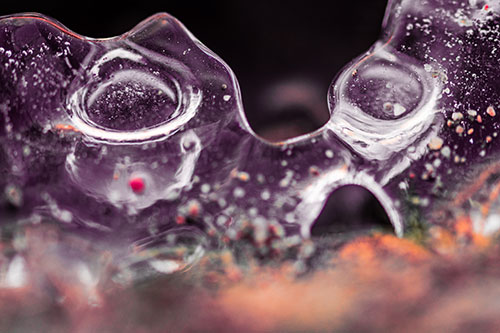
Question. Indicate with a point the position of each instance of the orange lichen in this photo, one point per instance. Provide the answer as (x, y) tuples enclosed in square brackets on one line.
[(366, 249), (404, 247), (464, 230), (463, 226), (442, 240), (360, 250)]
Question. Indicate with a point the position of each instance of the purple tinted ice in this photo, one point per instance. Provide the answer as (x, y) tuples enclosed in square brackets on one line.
[(144, 134)]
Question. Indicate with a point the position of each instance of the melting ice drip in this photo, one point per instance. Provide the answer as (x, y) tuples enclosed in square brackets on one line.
[(144, 135)]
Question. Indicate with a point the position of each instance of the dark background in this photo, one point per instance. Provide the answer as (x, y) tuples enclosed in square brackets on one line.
[(284, 53)]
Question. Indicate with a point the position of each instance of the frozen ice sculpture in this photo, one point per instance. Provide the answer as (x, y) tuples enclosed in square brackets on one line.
[(144, 135)]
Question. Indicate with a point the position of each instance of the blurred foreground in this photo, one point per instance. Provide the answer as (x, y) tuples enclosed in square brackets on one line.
[(447, 281)]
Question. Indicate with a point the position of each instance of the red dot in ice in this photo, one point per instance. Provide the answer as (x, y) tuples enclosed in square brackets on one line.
[(180, 220), (137, 184)]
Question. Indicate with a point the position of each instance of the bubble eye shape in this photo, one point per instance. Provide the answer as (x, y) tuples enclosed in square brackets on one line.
[(383, 104), (107, 111), (144, 85), (124, 97), (384, 90)]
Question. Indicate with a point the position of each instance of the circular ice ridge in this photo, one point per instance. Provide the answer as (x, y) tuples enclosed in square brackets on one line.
[(126, 100)]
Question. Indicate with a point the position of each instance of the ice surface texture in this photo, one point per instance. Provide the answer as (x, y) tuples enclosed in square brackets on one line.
[(144, 134)]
